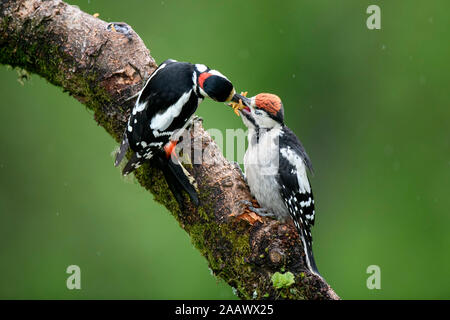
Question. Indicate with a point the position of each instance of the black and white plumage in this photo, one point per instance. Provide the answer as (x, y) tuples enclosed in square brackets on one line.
[(276, 166), (164, 106)]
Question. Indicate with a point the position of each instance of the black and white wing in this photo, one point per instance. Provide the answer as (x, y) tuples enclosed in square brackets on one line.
[(296, 190), (165, 104), (140, 106)]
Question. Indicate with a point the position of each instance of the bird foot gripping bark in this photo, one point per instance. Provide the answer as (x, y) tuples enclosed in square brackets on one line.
[(254, 207), (250, 211)]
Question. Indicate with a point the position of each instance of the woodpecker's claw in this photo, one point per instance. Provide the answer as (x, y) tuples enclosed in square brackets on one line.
[(262, 212), (259, 211)]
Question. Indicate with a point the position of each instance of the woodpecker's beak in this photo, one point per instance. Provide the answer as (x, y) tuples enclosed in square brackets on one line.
[(245, 101)]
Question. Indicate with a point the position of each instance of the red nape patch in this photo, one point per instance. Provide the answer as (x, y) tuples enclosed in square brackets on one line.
[(269, 102), (203, 76), (169, 148)]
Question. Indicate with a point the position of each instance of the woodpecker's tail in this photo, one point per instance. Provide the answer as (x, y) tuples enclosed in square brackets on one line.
[(176, 176), (307, 245), (122, 151), (177, 179), (135, 162)]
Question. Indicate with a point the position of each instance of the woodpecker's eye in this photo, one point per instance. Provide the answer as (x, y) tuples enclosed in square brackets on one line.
[(258, 112)]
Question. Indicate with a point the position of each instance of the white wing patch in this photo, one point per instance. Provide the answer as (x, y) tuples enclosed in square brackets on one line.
[(163, 120), (296, 161)]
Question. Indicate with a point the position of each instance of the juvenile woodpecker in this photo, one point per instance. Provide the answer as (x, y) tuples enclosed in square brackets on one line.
[(163, 107), (275, 166)]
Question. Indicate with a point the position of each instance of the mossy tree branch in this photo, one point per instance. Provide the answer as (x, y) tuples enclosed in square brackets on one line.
[(101, 67)]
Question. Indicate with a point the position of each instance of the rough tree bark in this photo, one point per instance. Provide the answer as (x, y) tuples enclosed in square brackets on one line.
[(101, 67)]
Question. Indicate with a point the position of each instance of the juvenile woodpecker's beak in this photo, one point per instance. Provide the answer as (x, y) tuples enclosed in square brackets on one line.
[(245, 101)]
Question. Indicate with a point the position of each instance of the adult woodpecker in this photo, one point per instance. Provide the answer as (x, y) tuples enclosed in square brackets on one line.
[(163, 108), (275, 166)]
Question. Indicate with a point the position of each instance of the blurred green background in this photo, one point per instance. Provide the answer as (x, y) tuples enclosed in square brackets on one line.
[(371, 108)]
